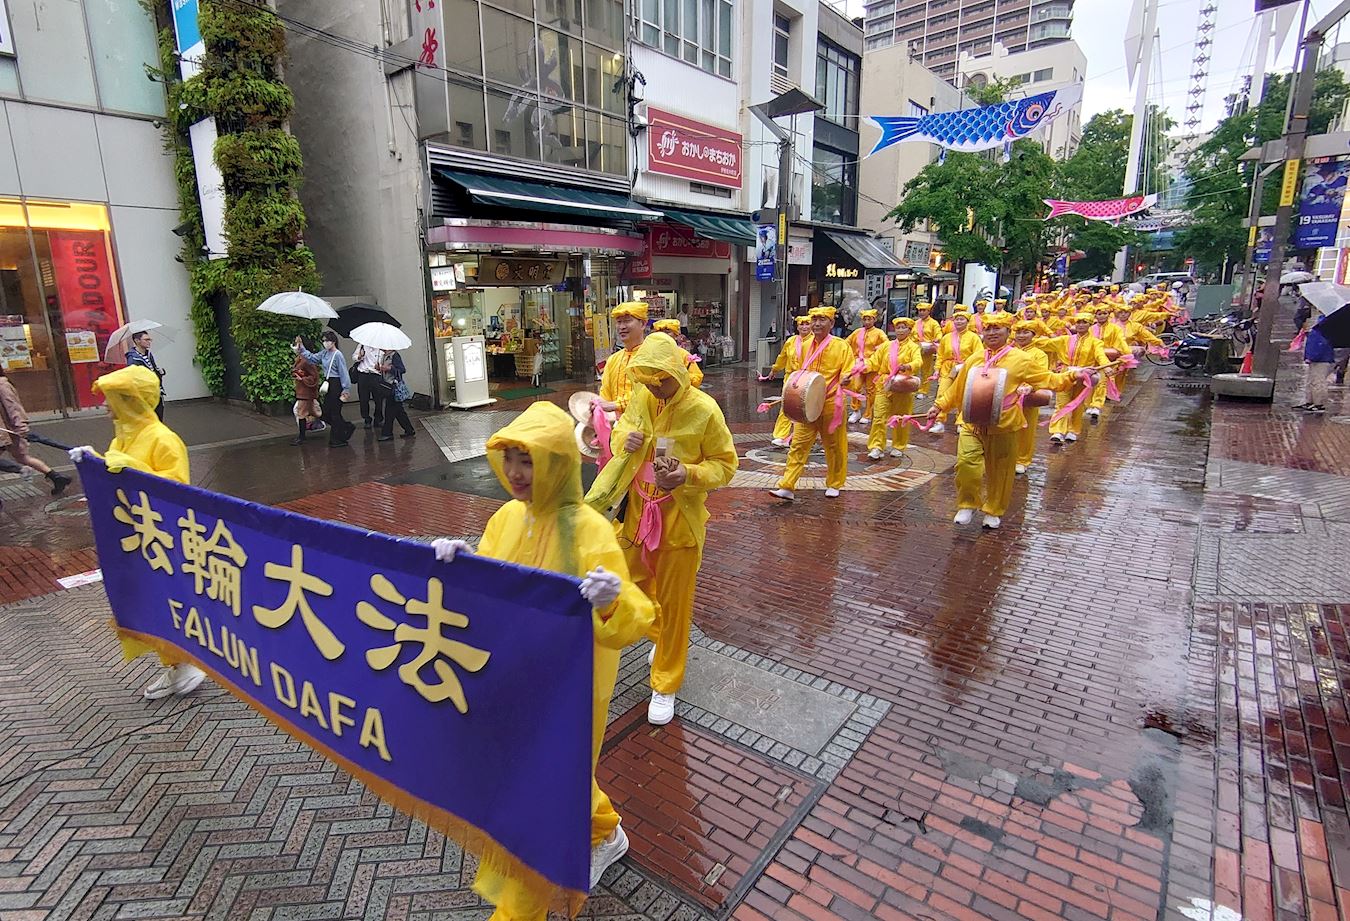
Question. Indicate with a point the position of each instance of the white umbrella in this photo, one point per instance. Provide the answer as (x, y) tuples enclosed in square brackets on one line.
[(1296, 278), (381, 336), (298, 304), (1325, 296), (120, 340)]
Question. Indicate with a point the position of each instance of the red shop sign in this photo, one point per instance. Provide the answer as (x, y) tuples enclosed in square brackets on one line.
[(673, 240), (87, 294), (678, 146)]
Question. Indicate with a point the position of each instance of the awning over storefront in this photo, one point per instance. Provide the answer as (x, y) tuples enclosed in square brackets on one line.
[(866, 252), (534, 196), (715, 227)]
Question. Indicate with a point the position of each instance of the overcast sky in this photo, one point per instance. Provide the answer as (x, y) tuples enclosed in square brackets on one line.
[(1099, 28)]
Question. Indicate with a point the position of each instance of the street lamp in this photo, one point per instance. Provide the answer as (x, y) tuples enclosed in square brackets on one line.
[(792, 103)]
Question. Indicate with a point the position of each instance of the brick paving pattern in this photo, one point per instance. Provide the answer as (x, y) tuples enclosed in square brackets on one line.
[(1127, 703)]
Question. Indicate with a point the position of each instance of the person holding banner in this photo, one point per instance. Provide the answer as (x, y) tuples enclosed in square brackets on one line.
[(630, 319), (671, 448), (142, 442), (547, 525)]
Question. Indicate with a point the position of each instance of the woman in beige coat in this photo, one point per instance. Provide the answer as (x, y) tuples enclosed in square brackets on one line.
[(13, 435)]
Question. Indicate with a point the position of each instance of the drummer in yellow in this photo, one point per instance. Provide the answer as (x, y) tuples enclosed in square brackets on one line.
[(1112, 337), (671, 448), (671, 327), (630, 319), (927, 333), (1026, 338), (830, 357), (863, 342), (1079, 349), (958, 346), (900, 356), (986, 457), (789, 360)]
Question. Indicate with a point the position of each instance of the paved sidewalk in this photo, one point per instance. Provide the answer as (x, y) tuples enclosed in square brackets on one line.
[(1127, 703)]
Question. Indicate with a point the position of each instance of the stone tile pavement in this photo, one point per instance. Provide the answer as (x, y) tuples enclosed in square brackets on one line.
[(1111, 708)]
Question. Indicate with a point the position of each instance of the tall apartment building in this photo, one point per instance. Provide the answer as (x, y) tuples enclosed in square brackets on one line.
[(937, 31)]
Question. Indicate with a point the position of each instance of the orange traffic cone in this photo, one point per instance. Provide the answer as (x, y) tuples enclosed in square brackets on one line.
[(1246, 363)]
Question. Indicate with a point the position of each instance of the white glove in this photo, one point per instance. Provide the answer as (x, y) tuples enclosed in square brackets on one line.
[(600, 588), (78, 454), (446, 549)]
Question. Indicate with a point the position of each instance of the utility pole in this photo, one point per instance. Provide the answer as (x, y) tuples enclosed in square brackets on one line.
[(1144, 64), (786, 153)]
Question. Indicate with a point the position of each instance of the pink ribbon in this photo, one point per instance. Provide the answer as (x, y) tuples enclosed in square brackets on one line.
[(600, 422), (651, 526), (1161, 350), (1112, 390), (766, 405), (1297, 344), (919, 422), (1084, 377)]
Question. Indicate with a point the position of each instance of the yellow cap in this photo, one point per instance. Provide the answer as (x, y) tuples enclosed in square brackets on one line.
[(803, 319), (899, 321), (869, 312), (636, 309), (923, 305), (827, 312), (666, 326), (1083, 316), (1024, 324), (998, 318)]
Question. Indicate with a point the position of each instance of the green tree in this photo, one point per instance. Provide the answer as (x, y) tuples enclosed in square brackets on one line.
[(951, 197)]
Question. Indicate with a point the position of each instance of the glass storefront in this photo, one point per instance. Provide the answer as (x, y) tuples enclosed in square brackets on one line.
[(59, 301), (526, 305)]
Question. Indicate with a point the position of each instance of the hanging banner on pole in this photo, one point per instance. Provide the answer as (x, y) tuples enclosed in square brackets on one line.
[(1320, 201), (1289, 185)]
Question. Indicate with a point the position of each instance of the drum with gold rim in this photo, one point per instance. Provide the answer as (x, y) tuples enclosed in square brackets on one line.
[(928, 348), (902, 383), (982, 403), (1038, 398), (804, 396)]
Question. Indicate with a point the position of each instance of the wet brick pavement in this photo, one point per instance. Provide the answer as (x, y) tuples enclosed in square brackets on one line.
[(1127, 703)]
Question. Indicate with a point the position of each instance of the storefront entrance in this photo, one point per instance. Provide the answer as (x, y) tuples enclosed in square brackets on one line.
[(59, 301)]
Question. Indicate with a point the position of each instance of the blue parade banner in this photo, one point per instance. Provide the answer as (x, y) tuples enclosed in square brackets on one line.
[(459, 692), (1320, 201)]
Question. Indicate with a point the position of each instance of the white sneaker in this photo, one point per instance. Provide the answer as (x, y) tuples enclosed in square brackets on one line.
[(175, 679), (896, 452), (1070, 437), (1094, 414), (661, 710), (651, 654), (779, 442), (1020, 469), (964, 516), (783, 494), (853, 417), (1057, 439), (831, 493), (606, 853), (937, 429), (864, 421), (875, 454), (992, 522)]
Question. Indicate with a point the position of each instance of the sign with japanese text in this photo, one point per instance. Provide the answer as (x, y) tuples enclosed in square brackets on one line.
[(460, 692), (1289, 184), (679, 146), (671, 240), (493, 270)]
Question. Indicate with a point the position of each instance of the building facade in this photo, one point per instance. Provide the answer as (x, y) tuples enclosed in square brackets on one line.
[(88, 202), (1058, 66), (938, 31)]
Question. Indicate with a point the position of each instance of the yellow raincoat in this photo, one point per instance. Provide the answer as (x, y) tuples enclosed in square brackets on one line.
[(699, 438), (900, 356), (862, 342), (986, 457), (673, 327), (556, 530), (142, 442)]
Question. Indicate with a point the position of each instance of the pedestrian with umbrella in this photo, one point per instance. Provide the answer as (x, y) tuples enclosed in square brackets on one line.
[(386, 340), (131, 342), (1327, 329), (302, 306), (367, 360), (336, 385), (14, 435)]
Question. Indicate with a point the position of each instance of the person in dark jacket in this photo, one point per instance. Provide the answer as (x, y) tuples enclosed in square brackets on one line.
[(395, 393), (1318, 358)]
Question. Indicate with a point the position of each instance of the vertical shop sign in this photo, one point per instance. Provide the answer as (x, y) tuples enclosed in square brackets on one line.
[(88, 299), (766, 251)]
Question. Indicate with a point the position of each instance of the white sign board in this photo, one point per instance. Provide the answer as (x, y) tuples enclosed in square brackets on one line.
[(210, 186)]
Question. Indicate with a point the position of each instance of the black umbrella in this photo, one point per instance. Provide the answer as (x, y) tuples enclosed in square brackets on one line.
[(1336, 327), (354, 315)]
